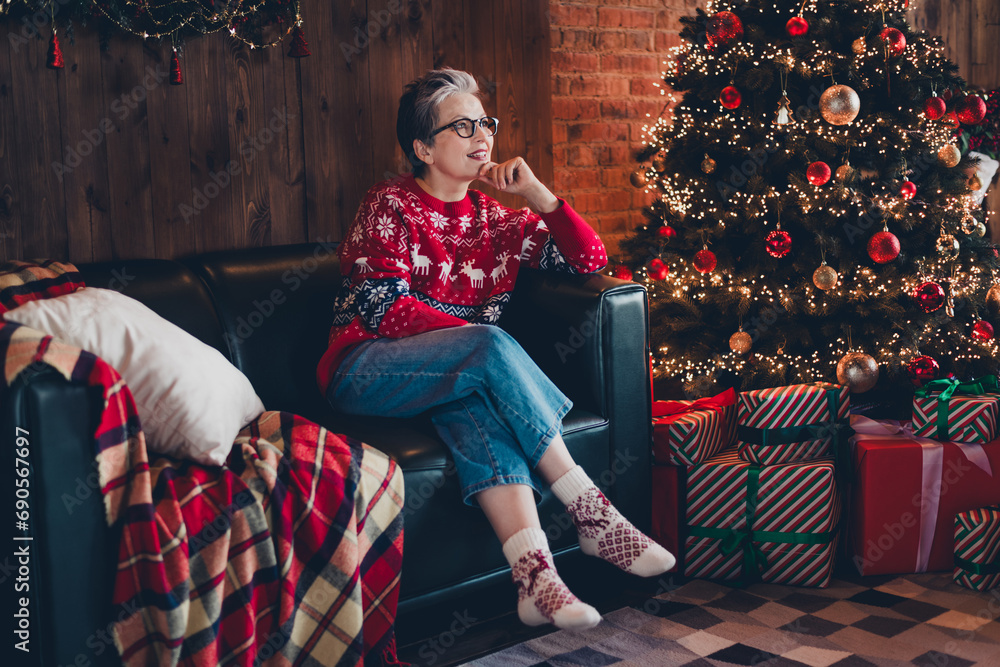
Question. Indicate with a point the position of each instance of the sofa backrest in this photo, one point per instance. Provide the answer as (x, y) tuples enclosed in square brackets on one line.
[(275, 307)]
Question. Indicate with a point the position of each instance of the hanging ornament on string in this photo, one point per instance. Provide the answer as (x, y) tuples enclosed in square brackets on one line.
[(797, 27), (894, 41), (859, 46), (783, 117), (949, 155), (819, 173), (730, 97), (935, 107), (825, 277), (845, 172), (667, 232), (621, 272), (923, 368), (839, 105), (54, 58), (982, 330), (660, 162), (657, 270), (778, 243), (883, 247), (299, 47), (708, 164), (722, 29), (947, 245), (969, 224), (740, 341), (980, 230), (971, 110), (638, 178), (929, 295), (176, 77), (908, 190), (975, 183), (704, 260), (857, 371)]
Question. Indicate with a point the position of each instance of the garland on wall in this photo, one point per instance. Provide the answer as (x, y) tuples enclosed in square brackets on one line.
[(256, 23)]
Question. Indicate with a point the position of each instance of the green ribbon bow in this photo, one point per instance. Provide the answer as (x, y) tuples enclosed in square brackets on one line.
[(977, 568), (949, 387), (748, 539)]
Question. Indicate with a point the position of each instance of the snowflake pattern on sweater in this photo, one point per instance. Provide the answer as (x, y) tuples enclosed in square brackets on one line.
[(413, 263)]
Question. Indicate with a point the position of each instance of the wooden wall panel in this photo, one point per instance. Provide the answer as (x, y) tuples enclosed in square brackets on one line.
[(971, 32), (308, 136)]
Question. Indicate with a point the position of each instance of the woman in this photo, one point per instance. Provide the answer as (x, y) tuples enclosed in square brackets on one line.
[(428, 266)]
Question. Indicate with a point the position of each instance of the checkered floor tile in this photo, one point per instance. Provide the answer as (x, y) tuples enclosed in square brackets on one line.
[(921, 620)]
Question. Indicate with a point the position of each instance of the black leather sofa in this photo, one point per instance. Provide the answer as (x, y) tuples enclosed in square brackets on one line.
[(268, 310)]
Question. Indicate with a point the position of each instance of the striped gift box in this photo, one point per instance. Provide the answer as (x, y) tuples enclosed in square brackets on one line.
[(977, 548), (693, 437), (969, 418), (794, 423), (792, 515)]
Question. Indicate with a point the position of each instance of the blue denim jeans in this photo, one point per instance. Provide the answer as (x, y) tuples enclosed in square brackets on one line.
[(491, 405)]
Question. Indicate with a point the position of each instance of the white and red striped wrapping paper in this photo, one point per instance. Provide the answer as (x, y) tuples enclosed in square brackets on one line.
[(793, 498), (970, 418), (977, 540)]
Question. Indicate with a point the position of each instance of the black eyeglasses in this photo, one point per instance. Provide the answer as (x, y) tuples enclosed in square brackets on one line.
[(466, 127)]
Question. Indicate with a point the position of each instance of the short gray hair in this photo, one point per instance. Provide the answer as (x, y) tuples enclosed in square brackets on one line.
[(417, 115)]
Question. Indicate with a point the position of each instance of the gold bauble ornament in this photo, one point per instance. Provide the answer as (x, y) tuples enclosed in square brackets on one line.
[(844, 173), (980, 230), (825, 277), (993, 300), (839, 105), (859, 46), (947, 246), (638, 179), (660, 162), (975, 183), (708, 165), (949, 155), (858, 371), (969, 223), (740, 342)]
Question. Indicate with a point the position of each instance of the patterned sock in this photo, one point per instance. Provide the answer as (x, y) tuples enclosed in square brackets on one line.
[(542, 597), (604, 532)]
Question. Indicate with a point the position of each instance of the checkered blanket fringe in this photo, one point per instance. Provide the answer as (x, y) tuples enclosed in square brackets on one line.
[(290, 554)]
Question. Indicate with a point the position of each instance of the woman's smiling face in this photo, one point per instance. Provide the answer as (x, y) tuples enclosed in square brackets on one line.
[(454, 157)]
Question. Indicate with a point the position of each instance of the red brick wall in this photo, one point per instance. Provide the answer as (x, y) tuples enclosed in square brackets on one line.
[(606, 59)]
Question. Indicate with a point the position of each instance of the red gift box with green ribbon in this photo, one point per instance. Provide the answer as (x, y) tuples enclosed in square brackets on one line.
[(977, 548), (689, 432), (794, 423), (949, 410), (776, 523)]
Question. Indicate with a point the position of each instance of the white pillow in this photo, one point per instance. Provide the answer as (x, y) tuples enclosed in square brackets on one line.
[(191, 400)]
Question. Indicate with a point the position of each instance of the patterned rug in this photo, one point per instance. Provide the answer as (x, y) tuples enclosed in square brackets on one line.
[(921, 619)]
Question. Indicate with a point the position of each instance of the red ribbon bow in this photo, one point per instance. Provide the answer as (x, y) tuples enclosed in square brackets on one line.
[(678, 408)]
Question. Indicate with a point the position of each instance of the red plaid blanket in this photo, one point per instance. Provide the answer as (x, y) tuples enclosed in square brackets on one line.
[(290, 554)]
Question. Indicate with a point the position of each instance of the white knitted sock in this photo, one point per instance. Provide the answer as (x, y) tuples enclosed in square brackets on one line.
[(542, 597), (604, 532)]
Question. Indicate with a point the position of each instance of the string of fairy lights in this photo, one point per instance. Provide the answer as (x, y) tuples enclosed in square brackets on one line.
[(697, 203)]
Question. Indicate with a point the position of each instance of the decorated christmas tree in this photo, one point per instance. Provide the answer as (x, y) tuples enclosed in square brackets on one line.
[(813, 217)]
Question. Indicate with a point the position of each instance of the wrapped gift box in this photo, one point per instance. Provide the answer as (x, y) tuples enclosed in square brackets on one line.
[(795, 423), (977, 548), (958, 418), (668, 508), (778, 523), (689, 432), (906, 493)]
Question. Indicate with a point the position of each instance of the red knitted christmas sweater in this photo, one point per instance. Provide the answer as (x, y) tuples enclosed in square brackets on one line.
[(413, 263)]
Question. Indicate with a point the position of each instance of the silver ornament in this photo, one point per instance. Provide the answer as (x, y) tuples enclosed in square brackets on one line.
[(858, 371), (839, 105), (947, 246)]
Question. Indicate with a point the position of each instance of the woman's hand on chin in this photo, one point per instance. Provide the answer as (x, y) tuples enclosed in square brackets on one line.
[(515, 176)]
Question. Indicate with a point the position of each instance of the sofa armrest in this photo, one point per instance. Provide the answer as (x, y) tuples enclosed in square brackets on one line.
[(590, 335), (71, 558)]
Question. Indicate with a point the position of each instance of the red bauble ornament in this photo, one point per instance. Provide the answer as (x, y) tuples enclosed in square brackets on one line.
[(622, 272), (704, 261), (658, 270), (730, 97), (819, 173), (908, 190), (982, 330), (54, 60), (796, 26), (971, 110), (923, 368), (894, 40), (778, 243), (935, 108), (723, 28), (299, 47), (667, 232), (176, 77), (929, 296), (883, 247)]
